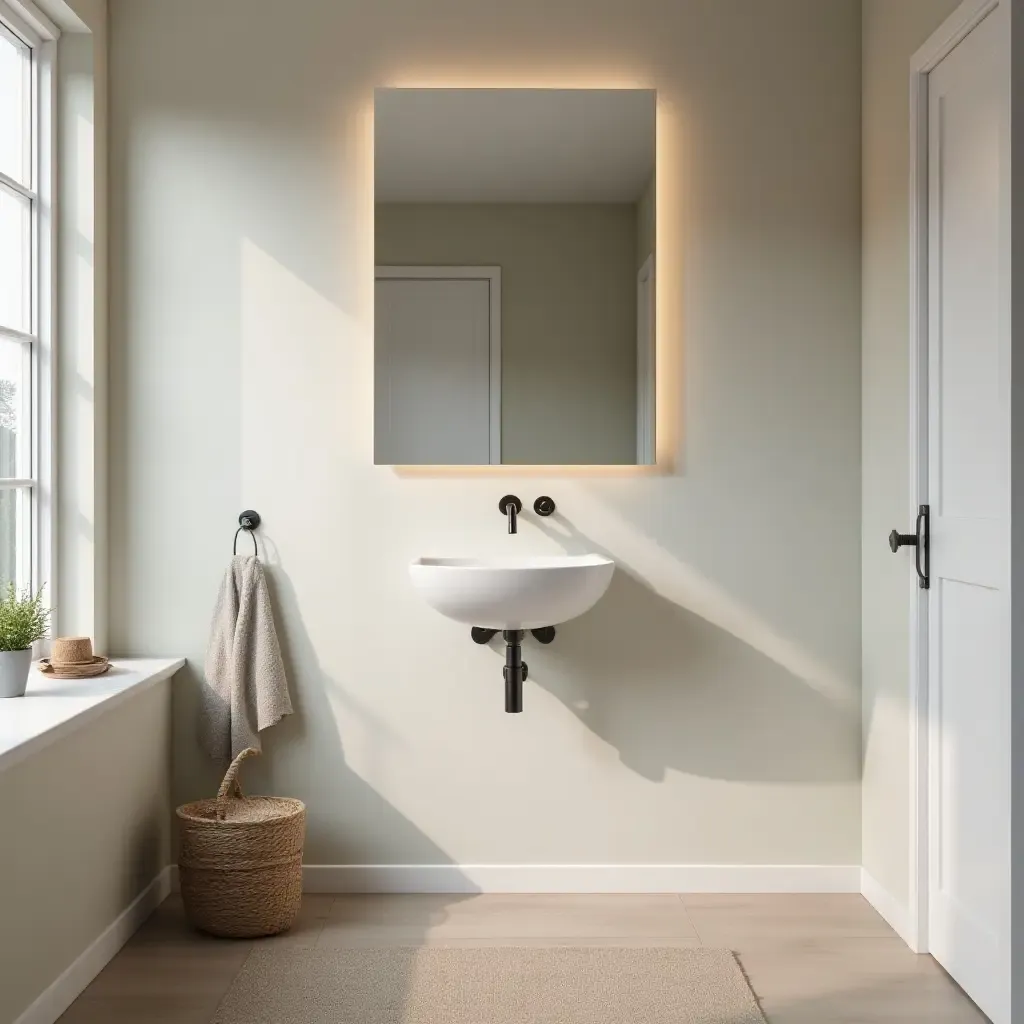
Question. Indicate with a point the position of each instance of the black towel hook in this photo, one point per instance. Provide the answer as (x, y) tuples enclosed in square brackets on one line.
[(247, 521)]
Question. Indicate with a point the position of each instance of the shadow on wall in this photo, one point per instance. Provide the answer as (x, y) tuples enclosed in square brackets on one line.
[(348, 821), (740, 717), (678, 583), (668, 688)]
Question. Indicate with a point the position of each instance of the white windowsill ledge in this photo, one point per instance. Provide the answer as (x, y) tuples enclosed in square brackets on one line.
[(52, 708)]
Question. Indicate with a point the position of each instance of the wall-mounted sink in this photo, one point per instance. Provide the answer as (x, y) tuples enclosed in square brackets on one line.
[(523, 593)]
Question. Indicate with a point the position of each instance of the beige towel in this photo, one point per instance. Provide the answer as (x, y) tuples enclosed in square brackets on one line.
[(245, 690)]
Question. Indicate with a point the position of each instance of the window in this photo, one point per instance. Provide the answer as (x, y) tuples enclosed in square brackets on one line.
[(26, 503)]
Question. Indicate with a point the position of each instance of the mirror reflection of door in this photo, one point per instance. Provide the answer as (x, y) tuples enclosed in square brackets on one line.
[(437, 360), (550, 192)]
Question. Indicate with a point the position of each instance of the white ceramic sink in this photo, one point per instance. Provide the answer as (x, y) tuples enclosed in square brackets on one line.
[(512, 593)]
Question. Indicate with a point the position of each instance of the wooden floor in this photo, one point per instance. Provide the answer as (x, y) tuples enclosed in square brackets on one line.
[(810, 959)]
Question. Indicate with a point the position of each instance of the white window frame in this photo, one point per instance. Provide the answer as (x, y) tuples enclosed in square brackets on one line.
[(36, 544)]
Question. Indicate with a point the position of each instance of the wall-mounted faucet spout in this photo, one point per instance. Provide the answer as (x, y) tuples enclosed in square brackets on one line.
[(511, 506)]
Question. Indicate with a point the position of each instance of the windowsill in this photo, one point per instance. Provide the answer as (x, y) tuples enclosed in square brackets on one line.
[(52, 708)]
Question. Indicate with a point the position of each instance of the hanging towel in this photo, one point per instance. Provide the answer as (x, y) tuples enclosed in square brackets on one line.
[(245, 690)]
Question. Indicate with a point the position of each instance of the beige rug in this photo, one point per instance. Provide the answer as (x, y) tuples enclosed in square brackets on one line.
[(491, 985)]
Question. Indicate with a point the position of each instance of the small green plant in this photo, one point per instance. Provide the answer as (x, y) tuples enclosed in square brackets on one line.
[(24, 618)]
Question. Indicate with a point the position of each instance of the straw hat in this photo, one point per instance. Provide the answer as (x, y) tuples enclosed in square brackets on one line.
[(72, 658)]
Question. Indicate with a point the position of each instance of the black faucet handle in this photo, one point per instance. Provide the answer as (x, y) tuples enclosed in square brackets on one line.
[(510, 506), (544, 506)]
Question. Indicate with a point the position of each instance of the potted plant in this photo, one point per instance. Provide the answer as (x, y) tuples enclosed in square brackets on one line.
[(24, 619)]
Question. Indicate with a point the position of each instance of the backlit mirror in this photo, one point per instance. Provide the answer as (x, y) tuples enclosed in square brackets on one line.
[(515, 275)]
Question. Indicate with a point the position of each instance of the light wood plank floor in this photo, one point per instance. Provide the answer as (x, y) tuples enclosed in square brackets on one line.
[(810, 959)]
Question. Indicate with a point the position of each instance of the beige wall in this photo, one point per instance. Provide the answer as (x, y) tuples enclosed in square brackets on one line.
[(85, 829), (568, 316), (707, 710), (892, 33)]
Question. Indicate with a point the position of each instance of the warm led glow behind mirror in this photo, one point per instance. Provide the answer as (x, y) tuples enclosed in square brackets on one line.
[(515, 277)]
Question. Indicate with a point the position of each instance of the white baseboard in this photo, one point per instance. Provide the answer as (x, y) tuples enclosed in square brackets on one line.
[(896, 915), (580, 878), (48, 1007)]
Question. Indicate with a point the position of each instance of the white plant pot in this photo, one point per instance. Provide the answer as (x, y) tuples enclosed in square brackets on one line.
[(14, 666)]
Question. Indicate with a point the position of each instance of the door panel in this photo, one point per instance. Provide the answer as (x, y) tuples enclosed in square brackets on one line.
[(968, 477), (966, 183), (969, 723)]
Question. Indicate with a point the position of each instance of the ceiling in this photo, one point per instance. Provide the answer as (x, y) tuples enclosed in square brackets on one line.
[(513, 145)]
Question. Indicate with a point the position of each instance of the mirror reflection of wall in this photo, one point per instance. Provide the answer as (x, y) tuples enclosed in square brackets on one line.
[(514, 234)]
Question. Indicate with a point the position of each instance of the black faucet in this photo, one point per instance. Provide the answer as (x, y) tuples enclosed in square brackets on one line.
[(511, 506)]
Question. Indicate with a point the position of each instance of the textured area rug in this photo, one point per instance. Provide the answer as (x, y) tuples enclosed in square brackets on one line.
[(490, 985)]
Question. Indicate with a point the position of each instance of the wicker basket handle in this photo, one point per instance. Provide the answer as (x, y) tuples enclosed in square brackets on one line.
[(230, 786)]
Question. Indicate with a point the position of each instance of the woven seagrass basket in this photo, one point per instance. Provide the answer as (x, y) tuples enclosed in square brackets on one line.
[(240, 860)]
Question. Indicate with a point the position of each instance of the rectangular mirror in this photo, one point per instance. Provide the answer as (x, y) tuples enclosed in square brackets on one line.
[(514, 287)]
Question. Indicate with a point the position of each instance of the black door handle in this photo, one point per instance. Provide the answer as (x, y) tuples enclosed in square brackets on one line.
[(919, 540), (922, 558)]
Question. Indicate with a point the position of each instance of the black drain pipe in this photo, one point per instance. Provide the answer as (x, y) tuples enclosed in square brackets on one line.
[(516, 670)]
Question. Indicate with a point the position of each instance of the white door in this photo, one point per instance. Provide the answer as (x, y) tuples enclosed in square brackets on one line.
[(434, 379), (968, 491)]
